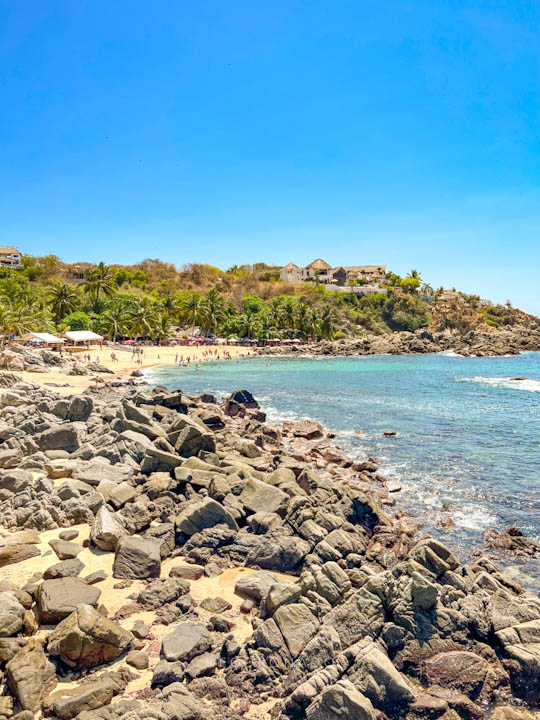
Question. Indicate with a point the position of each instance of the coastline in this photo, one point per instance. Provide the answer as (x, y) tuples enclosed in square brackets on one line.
[(283, 555), (60, 379)]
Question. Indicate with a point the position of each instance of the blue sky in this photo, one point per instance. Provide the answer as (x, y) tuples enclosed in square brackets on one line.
[(364, 132)]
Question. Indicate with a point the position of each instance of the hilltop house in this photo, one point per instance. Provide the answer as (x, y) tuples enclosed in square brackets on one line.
[(340, 276), (10, 257)]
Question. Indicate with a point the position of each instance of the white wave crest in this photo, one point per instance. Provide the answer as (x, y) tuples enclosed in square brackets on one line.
[(474, 517), (526, 384)]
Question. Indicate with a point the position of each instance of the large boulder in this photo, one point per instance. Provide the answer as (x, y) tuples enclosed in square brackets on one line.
[(86, 638), (192, 439), (466, 672), (136, 558), (255, 585), (29, 673), (186, 642), (93, 472), (10, 554), (62, 437), (341, 702), (58, 598), (202, 515), (522, 644), (106, 530), (11, 614), (297, 625), (374, 675), (258, 496)]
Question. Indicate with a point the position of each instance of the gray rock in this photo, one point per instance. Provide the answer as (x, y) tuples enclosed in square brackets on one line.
[(297, 625), (259, 496), (106, 530), (11, 614), (29, 673), (186, 642), (65, 568), (60, 597), (85, 638), (202, 515), (202, 665), (255, 585), (136, 558), (341, 701), (90, 695)]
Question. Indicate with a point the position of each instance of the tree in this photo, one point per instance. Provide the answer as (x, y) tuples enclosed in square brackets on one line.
[(114, 321), (192, 308), (328, 322), (410, 285), (63, 300), (141, 318), (414, 274), (99, 282), (163, 327), (248, 325), (78, 321), (213, 312), (426, 289)]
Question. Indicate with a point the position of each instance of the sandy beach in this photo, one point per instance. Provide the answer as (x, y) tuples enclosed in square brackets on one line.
[(125, 361)]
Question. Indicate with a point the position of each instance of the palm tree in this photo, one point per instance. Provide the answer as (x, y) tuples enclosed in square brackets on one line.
[(267, 326), (22, 319), (63, 300), (114, 321), (302, 316), (213, 310), (98, 282), (248, 324), (328, 321), (426, 289), (163, 327), (289, 312), (170, 306), (414, 274), (192, 309), (141, 317)]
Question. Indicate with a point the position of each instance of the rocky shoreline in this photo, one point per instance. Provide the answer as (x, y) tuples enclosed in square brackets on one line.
[(177, 558), (474, 343)]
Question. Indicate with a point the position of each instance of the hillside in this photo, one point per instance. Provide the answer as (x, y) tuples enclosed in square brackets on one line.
[(153, 299)]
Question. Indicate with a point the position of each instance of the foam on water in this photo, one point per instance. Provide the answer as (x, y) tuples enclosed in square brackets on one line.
[(467, 446), (504, 382)]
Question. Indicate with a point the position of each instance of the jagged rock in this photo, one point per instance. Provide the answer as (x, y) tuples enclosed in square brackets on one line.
[(202, 665), (63, 437), (86, 638), (522, 644), (259, 496), (375, 677), (341, 701), (58, 598), (106, 530), (136, 558), (202, 515), (11, 614), (186, 642), (29, 673), (297, 625)]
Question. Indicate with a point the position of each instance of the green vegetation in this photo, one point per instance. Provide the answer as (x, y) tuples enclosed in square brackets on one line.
[(154, 299)]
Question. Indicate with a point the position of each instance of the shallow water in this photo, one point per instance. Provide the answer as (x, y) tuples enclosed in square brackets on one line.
[(468, 437)]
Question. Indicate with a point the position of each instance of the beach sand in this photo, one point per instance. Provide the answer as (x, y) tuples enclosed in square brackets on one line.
[(126, 362)]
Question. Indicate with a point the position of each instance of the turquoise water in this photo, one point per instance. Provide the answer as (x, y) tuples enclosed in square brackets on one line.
[(468, 436)]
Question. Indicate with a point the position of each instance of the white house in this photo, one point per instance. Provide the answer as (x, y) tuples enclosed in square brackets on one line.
[(325, 273), (10, 257)]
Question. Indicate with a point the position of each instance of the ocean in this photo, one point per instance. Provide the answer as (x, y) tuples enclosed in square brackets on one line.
[(467, 449)]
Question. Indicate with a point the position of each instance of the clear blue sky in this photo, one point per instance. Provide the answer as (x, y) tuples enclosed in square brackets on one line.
[(236, 131)]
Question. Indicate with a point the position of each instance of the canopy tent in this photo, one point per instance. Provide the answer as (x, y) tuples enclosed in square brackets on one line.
[(46, 338), (77, 336)]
